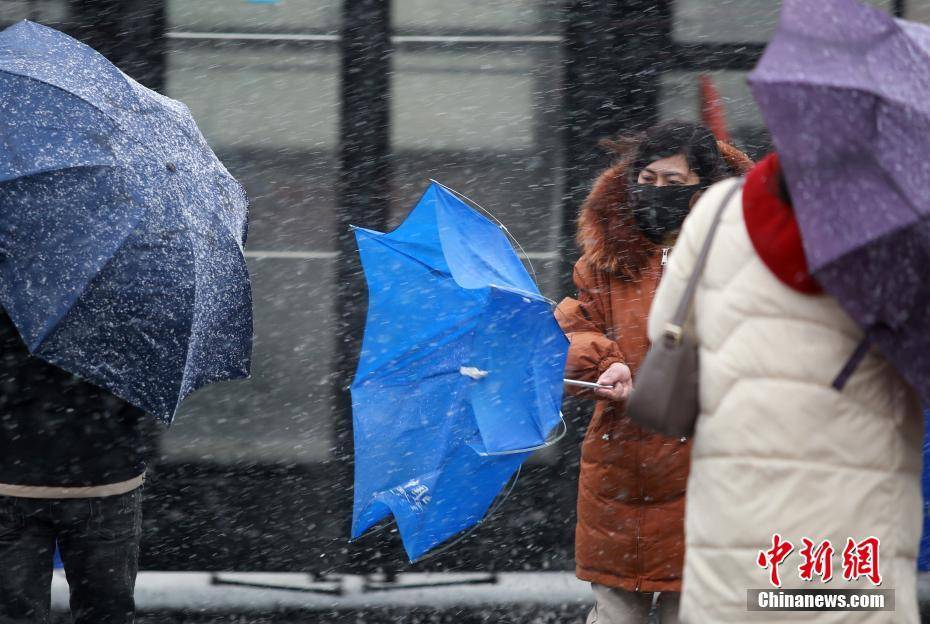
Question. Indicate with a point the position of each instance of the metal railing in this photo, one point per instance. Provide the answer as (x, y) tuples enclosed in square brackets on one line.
[(400, 40)]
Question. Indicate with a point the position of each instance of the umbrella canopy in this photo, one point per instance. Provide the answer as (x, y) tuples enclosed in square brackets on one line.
[(121, 233), (845, 90), (460, 375)]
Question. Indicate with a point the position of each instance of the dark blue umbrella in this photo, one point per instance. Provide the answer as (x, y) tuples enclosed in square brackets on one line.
[(121, 233), (460, 375)]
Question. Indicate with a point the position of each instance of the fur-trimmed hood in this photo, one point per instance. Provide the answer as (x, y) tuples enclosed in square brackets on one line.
[(608, 236)]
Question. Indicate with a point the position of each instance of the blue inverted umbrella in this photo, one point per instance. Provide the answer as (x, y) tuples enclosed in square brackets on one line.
[(460, 376), (121, 233)]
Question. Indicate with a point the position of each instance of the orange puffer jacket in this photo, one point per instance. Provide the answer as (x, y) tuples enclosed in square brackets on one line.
[(631, 492)]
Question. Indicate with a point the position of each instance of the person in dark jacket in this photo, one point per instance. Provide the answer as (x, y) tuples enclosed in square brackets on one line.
[(72, 462)]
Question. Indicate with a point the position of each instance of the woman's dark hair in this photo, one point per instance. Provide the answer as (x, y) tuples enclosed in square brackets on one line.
[(694, 141)]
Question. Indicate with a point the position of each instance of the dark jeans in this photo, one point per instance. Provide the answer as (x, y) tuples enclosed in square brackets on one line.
[(99, 543)]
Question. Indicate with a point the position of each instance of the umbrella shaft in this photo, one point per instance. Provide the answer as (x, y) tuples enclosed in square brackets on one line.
[(586, 384)]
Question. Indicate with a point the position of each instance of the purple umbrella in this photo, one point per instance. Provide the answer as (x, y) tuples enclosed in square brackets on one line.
[(845, 90)]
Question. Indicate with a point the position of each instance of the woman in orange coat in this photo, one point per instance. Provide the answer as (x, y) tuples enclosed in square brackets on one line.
[(629, 542)]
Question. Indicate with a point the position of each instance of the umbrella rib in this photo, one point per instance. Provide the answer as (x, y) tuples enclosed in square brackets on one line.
[(190, 329), (888, 234), (415, 354), (77, 294), (878, 98), (386, 381), (238, 237), (67, 168), (496, 503), (509, 289), (914, 49), (796, 82), (907, 200), (523, 293), (116, 122), (381, 240), (497, 221), (189, 232), (66, 92)]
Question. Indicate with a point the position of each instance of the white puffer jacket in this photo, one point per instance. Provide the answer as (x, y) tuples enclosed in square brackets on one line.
[(777, 449)]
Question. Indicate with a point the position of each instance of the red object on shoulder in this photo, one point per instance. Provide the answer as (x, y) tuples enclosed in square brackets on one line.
[(773, 228), (713, 113)]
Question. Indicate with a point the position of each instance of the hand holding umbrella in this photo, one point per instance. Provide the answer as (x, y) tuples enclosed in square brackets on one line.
[(616, 383)]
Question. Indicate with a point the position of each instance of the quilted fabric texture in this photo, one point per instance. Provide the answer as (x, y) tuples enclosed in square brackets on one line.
[(777, 449)]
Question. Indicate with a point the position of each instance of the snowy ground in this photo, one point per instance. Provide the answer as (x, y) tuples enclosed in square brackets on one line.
[(524, 597)]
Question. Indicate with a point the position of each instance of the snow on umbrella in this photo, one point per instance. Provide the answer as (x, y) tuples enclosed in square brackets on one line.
[(460, 375), (845, 90), (121, 233)]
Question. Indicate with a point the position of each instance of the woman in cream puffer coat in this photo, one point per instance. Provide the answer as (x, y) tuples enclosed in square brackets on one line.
[(777, 449)]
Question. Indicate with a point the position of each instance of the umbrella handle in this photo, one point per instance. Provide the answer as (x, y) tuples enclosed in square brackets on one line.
[(586, 384), (531, 449)]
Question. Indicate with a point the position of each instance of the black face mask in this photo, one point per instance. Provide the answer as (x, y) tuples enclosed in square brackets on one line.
[(661, 209)]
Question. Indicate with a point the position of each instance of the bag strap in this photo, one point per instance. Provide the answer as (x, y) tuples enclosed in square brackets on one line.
[(674, 329)]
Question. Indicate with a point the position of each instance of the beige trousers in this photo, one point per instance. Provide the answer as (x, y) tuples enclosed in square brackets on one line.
[(616, 606)]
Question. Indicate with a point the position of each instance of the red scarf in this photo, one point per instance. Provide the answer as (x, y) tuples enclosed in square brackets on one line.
[(773, 228)]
